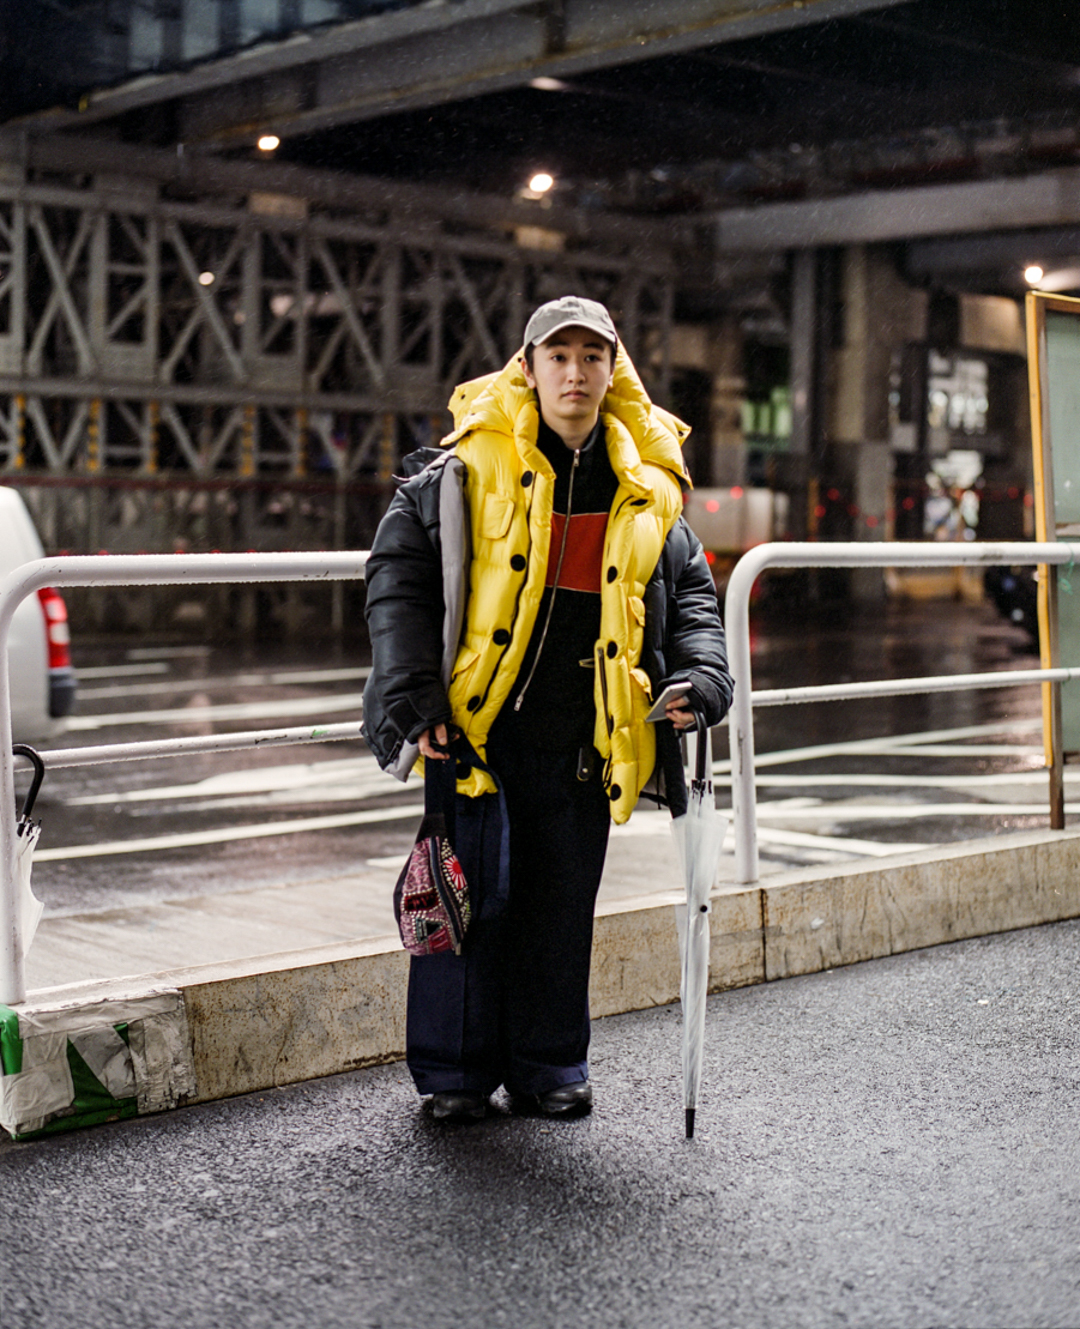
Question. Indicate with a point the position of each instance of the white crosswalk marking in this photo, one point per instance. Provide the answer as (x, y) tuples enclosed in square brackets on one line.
[(889, 745), (927, 781), (290, 707), (227, 834), (120, 671), (169, 687), (354, 777)]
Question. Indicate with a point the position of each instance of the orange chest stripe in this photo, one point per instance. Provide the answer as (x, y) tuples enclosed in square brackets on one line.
[(582, 563)]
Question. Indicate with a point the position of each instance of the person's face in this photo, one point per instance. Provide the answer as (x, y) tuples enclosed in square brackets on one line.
[(571, 372)]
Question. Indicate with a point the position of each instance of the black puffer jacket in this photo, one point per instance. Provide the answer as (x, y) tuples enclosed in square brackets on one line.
[(684, 639), (406, 608)]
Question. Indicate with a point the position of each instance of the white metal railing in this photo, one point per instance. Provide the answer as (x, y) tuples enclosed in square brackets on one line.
[(61, 759), (118, 570), (193, 569), (878, 554)]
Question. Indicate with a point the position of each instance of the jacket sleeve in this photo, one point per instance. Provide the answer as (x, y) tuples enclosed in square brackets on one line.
[(404, 609), (694, 648)]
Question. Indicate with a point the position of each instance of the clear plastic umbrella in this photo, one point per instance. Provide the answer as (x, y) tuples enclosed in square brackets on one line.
[(27, 833), (699, 833)]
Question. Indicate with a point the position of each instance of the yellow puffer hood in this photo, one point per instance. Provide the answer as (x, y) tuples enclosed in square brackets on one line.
[(496, 401)]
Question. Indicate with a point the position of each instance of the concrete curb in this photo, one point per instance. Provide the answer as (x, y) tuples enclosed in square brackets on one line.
[(295, 1016)]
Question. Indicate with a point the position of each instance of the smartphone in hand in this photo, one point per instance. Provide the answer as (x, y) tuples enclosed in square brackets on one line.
[(671, 693)]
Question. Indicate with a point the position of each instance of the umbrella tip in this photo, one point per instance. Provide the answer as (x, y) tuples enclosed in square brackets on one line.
[(690, 1123)]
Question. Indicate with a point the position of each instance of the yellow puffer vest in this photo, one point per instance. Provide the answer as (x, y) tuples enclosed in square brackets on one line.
[(509, 490)]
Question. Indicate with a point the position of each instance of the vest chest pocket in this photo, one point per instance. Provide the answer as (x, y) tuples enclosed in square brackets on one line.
[(496, 512)]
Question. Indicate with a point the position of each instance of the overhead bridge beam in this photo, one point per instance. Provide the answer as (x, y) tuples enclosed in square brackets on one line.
[(430, 54), (209, 176), (1047, 198)]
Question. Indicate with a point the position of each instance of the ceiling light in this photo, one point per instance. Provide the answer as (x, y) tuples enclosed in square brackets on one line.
[(1033, 274), (206, 279), (541, 182), (545, 84), (268, 143)]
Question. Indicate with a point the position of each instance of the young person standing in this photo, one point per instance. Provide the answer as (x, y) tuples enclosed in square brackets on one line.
[(556, 509)]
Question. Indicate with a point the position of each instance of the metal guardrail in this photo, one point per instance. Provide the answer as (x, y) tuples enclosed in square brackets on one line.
[(193, 569), (102, 754), (879, 554), (117, 570)]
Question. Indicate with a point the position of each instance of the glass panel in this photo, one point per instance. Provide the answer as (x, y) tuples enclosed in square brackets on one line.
[(1063, 375)]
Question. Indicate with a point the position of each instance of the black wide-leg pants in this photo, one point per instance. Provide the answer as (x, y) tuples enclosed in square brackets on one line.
[(513, 1008)]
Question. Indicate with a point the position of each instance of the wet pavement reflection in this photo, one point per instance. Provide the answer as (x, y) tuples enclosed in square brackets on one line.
[(836, 781)]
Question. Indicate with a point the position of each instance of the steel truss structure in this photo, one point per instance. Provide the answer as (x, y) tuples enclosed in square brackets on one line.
[(202, 374)]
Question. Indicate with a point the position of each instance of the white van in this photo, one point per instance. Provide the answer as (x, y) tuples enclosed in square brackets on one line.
[(39, 653)]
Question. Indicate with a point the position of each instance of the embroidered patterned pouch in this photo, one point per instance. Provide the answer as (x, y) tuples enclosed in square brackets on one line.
[(431, 898)]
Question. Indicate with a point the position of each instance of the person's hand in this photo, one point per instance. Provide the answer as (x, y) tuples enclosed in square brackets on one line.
[(425, 744), (679, 716)]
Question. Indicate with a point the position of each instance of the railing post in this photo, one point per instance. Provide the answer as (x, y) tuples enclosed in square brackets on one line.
[(12, 970), (741, 715)]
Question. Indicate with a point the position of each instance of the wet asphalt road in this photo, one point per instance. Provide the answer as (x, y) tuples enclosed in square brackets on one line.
[(892, 1144)]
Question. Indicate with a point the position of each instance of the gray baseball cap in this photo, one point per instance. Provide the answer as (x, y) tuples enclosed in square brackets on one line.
[(572, 311)]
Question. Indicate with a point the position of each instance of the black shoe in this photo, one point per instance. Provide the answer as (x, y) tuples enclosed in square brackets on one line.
[(568, 1100), (459, 1105)]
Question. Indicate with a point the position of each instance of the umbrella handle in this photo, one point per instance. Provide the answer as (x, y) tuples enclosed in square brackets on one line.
[(702, 727), (35, 759)]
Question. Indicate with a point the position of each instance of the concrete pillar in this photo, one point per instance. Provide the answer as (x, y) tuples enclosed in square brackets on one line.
[(879, 317), (729, 388), (804, 387), (804, 324)]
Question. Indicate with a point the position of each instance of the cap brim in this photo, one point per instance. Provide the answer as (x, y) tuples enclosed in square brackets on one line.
[(609, 337)]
